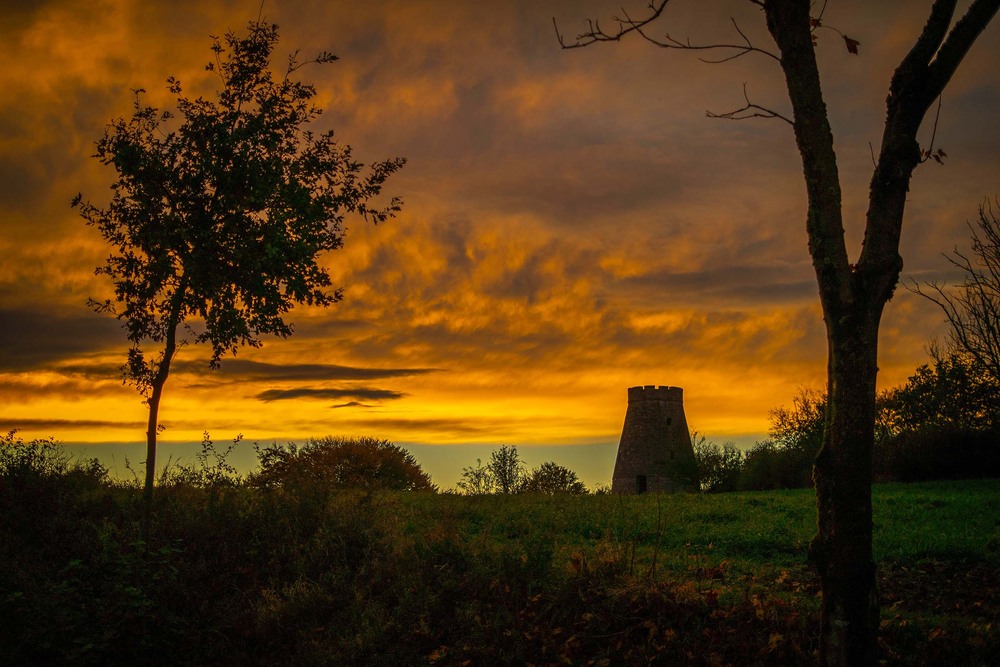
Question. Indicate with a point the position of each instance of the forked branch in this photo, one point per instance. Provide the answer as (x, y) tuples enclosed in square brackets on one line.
[(749, 110), (626, 24)]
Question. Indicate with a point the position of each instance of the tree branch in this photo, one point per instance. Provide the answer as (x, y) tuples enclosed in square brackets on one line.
[(957, 44), (749, 110), (973, 309), (626, 25), (789, 24), (916, 83), (594, 33)]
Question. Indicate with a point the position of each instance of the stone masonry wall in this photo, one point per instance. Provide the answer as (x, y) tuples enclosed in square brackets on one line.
[(655, 453)]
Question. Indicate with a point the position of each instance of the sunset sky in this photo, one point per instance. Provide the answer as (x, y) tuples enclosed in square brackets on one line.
[(573, 224)]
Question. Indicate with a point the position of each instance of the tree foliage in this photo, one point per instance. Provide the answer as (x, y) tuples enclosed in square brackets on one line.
[(506, 473), (800, 427), (340, 463), (550, 478), (507, 469), (217, 224), (476, 480), (954, 390), (719, 466)]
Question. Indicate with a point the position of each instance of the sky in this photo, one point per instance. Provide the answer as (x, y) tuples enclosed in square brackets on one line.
[(573, 224)]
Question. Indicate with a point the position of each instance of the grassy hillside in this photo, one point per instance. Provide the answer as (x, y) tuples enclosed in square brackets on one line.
[(244, 576)]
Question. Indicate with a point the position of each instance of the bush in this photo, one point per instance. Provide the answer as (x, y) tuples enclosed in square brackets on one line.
[(38, 479), (938, 452), (769, 466), (505, 474), (719, 468), (476, 480), (340, 463), (211, 469), (551, 478)]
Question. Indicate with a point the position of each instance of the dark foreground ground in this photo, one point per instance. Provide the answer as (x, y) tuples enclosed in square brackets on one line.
[(236, 575)]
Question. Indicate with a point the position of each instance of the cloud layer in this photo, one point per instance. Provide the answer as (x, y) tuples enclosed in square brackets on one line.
[(572, 225)]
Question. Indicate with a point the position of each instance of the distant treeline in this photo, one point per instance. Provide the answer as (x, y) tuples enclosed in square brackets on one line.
[(943, 423)]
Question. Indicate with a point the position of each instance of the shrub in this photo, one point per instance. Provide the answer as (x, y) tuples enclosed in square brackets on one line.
[(769, 466), (505, 474), (211, 469), (551, 478), (719, 468), (40, 478), (938, 452), (341, 463)]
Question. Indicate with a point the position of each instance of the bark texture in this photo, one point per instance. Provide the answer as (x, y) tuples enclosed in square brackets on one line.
[(853, 296)]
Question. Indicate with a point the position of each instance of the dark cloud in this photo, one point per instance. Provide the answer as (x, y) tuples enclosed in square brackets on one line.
[(32, 340), (256, 370), (8, 423), (23, 387), (19, 14), (310, 392), (726, 286), (352, 404), (463, 426)]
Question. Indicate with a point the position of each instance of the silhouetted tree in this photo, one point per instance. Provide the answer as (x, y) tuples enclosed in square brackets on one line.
[(551, 478), (953, 390), (504, 473), (719, 467), (221, 220), (852, 294), (476, 480), (972, 308), (341, 463), (506, 469)]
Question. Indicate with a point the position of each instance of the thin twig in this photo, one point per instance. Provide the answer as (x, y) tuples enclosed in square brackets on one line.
[(749, 110), (626, 24)]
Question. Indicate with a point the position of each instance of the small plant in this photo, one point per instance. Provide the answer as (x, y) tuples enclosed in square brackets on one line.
[(211, 468)]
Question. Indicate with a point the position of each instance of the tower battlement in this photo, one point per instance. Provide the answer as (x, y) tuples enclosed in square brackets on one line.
[(654, 393)]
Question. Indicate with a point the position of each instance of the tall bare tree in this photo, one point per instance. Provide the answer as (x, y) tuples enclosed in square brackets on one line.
[(853, 294), (972, 308)]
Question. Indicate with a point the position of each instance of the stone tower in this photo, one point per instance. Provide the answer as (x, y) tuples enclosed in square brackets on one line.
[(655, 452)]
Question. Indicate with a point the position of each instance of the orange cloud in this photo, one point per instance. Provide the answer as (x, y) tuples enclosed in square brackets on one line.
[(572, 225)]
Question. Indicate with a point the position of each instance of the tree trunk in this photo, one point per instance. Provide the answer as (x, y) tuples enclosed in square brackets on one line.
[(852, 298), (842, 548), (159, 379), (151, 429)]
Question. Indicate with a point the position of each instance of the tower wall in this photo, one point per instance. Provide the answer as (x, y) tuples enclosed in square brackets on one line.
[(655, 452)]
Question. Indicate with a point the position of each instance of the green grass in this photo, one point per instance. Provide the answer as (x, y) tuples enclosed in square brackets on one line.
[(237, 575), (938, 520), (943, 520)]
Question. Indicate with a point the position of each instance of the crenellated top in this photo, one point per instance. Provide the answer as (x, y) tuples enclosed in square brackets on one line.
[(654, 393)]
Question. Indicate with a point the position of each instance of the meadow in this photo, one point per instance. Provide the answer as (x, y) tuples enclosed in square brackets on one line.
[(241, 575)]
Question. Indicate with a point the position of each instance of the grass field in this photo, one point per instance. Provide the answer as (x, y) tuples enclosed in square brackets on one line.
[(243, 576)]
